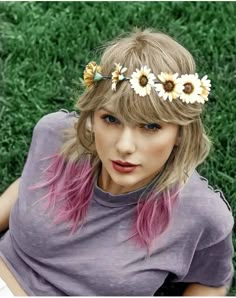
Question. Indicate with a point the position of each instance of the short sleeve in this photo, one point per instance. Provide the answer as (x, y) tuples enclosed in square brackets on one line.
[(212, 266), (48, 132), (46, 140)]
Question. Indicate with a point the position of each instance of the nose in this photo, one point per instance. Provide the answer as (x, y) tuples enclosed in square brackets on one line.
[(126, 141)]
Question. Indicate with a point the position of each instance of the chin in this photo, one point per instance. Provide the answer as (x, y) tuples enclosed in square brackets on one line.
[(126, 181)]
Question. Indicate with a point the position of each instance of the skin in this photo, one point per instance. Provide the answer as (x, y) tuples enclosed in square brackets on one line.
[(7, 201), (147, 146), (201, 290)]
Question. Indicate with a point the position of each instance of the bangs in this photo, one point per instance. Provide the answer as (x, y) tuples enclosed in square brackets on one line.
[(131, 107)]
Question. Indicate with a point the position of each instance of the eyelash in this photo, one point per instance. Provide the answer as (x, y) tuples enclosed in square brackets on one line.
[(106, 117)]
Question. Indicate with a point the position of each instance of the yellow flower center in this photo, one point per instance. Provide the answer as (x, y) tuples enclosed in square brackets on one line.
[(169, 86), (188, 88), (143, 80)]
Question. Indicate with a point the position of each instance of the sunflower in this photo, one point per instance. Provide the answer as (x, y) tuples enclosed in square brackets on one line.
[(117, 75), (192, 88), (170, 87), (92, 73), (142, 80)]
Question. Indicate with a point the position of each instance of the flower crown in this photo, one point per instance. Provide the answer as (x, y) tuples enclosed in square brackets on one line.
[(188, 87)]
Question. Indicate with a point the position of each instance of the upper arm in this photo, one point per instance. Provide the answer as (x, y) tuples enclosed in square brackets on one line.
[(7, 201), (195, 289)]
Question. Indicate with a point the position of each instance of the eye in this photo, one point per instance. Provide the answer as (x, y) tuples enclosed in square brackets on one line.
[(151, 127), (110, 119)]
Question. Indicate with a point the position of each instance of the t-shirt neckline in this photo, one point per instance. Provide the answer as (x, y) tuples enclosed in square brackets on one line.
[(130, 198)]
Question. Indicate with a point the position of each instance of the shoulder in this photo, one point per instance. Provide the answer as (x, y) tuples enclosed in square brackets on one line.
[(48, 133), (208, 208), (61, 119), (47, 139)]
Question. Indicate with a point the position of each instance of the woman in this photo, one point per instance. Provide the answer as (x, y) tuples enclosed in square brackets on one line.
[(120, 207)]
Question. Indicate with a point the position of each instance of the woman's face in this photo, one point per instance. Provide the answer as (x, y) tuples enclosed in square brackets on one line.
[(147, 146)]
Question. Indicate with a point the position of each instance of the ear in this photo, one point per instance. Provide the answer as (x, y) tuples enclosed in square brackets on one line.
[(177, 142), (178, 137), (89, 124)]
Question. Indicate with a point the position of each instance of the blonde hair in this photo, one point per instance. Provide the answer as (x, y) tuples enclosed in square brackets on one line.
[(160, 53)]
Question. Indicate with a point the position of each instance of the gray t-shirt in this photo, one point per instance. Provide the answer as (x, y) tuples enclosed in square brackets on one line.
[(97, 261)]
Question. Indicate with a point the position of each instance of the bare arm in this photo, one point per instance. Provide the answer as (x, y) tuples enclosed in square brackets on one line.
[(7, 201), (201, 290)]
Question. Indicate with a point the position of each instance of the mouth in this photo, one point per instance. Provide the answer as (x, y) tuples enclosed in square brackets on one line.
[(124, 164), (123, 168)]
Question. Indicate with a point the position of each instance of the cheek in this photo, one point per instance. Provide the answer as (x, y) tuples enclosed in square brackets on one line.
[(102, 140), (160, 149)]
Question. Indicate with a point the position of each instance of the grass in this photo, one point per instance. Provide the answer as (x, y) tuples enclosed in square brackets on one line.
[(43, 46)]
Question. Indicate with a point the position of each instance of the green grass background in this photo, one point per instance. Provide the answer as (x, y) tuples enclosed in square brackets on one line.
[(44, 44)]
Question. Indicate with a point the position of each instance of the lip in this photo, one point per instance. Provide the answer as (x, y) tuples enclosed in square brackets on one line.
[(123, 169), (128, 164)]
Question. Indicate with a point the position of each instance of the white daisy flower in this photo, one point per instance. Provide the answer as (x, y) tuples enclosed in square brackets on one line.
[(170, 87), (206, 87), (142, 81), (192, 88), (206, 83), (117, 75)]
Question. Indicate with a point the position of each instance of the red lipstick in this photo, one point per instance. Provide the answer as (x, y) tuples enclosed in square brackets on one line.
[(123, 167), (124, 163)]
